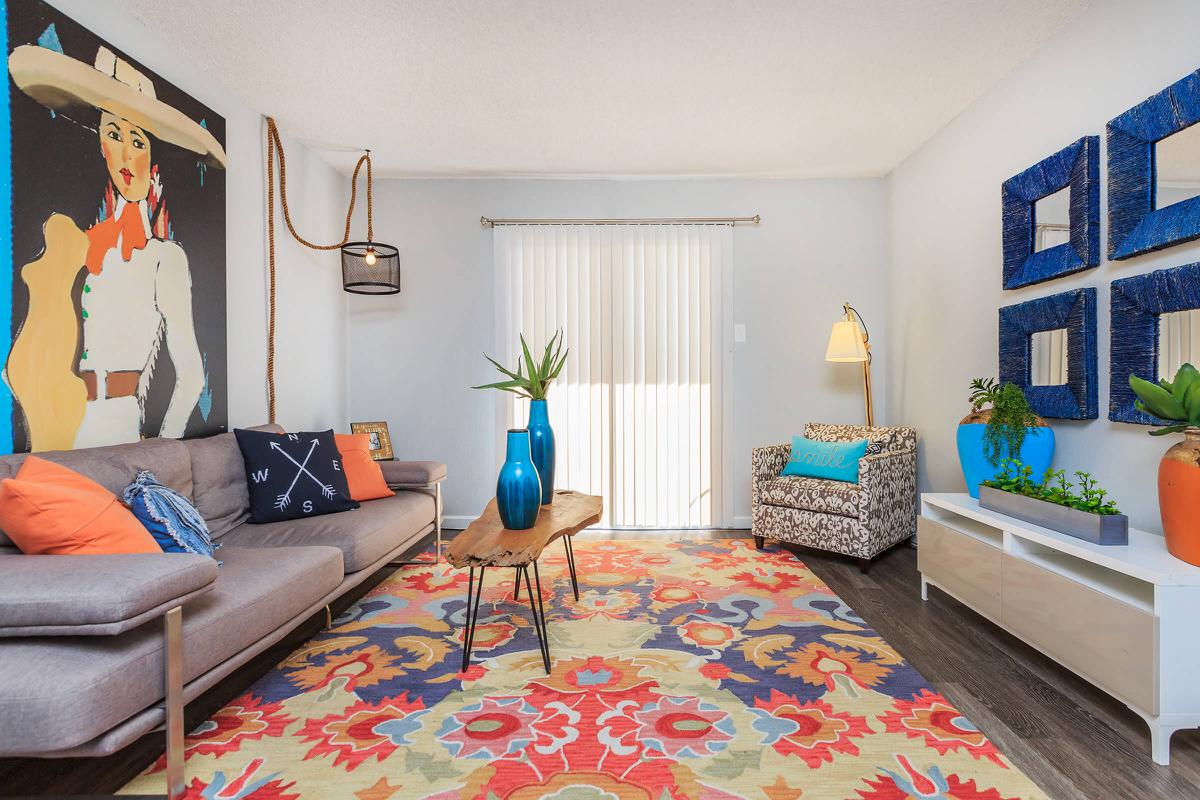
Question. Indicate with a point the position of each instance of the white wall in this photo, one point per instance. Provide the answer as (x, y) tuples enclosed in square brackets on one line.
[(945, 247), (310, 355), (412, 356)]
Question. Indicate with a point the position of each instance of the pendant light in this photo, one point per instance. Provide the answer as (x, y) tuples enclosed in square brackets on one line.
[(368, 267)]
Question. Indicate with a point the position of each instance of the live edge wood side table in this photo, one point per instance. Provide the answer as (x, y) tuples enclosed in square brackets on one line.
[(487, 543)]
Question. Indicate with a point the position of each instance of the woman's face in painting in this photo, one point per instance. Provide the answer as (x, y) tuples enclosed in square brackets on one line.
[(126, 149)]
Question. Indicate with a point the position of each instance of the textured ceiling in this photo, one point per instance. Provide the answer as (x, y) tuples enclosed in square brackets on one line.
[(611, 87)]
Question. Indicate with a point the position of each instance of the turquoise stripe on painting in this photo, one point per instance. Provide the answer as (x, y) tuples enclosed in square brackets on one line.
[(6, 257)]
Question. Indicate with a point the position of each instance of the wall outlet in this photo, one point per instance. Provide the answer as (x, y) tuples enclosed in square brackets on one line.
[(739, 333)]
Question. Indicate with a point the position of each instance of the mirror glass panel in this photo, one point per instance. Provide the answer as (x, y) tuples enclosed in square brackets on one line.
[(1177, 167), (1178, 341), (1048, 361), (1052, 220)]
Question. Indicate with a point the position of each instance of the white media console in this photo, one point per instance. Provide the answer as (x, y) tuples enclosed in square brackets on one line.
[(1123, 617)]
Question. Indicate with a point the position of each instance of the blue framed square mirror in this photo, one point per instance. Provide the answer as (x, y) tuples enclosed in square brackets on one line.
[(1051, 215), (1048, 348), (1154, 172), (1155, 329)]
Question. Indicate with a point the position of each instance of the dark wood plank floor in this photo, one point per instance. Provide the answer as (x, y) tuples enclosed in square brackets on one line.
[(1075, 741)]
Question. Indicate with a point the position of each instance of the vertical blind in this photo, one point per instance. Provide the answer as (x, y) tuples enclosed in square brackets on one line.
[(639, 409)]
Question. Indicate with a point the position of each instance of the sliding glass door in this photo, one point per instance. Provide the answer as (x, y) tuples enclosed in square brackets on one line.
[(639, 411)]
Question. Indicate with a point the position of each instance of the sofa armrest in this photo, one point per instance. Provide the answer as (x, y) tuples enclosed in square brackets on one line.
[(412, 473), (889, 481), (94, 595), (766, 463)]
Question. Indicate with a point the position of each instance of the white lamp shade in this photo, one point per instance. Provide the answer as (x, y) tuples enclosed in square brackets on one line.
[(846, 342)]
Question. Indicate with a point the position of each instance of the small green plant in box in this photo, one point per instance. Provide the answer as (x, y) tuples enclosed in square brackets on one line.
[(1054, 487)]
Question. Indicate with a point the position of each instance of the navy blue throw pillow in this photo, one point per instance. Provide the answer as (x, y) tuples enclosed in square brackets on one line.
[(293, 475)]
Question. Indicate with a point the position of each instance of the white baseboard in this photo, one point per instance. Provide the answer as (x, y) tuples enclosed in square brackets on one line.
[(741, 523)]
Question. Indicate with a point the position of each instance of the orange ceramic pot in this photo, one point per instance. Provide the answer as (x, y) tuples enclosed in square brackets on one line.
[(1179, 497)]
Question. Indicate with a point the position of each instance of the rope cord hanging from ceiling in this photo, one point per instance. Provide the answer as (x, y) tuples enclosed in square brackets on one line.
[(274, 149)]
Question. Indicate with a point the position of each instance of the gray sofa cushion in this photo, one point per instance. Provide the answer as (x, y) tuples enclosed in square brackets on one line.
[(219, 478), (364, 535), (413, 472), (58, 693), (95, 595), (114, 467)]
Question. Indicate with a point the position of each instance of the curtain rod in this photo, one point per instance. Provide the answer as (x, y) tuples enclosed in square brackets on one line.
[(488, 222)]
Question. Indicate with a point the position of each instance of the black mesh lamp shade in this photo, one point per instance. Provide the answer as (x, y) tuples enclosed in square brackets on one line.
[(370, 268)]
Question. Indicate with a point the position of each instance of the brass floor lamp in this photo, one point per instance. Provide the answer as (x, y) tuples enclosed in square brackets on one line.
[(849, 342)]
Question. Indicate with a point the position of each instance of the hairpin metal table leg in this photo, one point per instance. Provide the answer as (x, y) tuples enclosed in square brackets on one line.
[(517, 585), (571, 564), (173, 636), (539, 617), (472, 614)]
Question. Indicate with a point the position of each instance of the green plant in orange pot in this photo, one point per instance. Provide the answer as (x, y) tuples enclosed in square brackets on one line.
[(1177, 402)]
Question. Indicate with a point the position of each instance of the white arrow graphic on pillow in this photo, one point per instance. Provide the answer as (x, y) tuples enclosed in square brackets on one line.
[(285, 499)]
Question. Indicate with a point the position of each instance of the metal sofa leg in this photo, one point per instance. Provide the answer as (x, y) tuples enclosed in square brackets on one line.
[(173, 636), (758, 542), (437, 520)]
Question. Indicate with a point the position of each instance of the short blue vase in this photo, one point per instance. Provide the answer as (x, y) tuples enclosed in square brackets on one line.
[(1037, 451), (541, 445), (518, 489)]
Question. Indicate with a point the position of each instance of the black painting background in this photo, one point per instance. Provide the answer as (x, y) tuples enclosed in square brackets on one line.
[(57, 167)]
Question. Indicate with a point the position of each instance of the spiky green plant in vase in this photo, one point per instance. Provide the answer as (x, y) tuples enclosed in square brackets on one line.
[(532, 381), (1177, 403), (533, 378)]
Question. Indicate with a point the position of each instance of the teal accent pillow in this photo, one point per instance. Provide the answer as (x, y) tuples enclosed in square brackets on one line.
[(835, 461)]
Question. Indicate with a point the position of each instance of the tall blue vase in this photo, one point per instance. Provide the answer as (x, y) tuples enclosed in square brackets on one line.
[(518, 489), (541, 444), (1037, 451)]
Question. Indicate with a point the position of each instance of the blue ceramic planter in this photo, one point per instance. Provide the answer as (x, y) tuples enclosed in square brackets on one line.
[(518, 490), (1037, 451), (541, 445)]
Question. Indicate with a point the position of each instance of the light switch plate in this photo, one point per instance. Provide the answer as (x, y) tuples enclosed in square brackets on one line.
[(739, 333)]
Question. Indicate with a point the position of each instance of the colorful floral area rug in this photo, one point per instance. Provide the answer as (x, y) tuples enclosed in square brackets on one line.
[(703, 670)]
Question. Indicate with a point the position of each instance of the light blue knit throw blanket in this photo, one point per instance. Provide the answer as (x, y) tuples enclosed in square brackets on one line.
[(180, 519)]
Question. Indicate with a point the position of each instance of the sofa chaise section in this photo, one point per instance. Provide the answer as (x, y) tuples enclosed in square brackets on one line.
[(84, 672), (96, 595), (61, 692)]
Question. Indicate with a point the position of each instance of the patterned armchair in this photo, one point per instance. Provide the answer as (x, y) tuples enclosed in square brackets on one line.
[(859, 520)]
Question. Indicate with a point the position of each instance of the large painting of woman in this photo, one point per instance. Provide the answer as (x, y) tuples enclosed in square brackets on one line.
[(118, 301)]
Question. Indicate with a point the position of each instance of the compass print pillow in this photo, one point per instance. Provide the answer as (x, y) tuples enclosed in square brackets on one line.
[(293, 475)]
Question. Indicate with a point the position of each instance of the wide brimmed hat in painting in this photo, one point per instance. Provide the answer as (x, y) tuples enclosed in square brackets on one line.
[(70, 86)]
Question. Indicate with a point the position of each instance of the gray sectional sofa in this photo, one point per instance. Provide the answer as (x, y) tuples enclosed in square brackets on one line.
[(86, 641)]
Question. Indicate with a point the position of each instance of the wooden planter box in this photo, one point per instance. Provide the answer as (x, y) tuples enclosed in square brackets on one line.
[(1096, 528)]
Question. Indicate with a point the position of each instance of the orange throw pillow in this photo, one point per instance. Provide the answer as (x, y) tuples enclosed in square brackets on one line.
[(362, 473), (49, 509)]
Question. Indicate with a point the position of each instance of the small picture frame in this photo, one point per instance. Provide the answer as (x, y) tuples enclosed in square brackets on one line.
[(381, 440)]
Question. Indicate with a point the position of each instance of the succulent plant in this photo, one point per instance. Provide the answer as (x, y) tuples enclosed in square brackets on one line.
[(1176, 401), (535, 383)]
